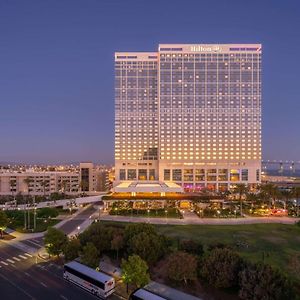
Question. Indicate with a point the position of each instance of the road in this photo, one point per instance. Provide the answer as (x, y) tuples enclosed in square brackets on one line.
[(25, 276), (67, 228)]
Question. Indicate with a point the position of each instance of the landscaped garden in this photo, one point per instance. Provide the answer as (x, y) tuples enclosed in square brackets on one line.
[(149, 209), (224, 262), (44, 218)]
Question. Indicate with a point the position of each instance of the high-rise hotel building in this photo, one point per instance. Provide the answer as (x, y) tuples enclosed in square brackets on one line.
[(190, 114)]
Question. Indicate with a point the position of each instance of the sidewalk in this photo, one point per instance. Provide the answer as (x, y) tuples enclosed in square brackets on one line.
[(202, 221), (26, 236)]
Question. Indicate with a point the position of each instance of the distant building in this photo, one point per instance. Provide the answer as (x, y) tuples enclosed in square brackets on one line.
[(38, 183), (190, 114), (87, 179)]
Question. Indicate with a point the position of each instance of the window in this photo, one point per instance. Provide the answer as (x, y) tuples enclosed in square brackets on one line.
[(167, 174), (122, 174), (152, 174), (177, 175), (244, 174), (234, 175), (257, 175), (131, 174), (142, 174)]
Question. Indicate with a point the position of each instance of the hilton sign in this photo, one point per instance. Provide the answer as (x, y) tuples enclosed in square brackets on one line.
[(205, 48)]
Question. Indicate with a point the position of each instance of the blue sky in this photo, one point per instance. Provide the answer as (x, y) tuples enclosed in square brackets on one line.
[(56, 75)]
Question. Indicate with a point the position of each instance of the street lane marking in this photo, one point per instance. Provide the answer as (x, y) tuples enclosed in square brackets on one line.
[(11, 261), (16, 286), (24, 257), (43, 284), (27, 274), (17, 259), (28, 254), (63, 297), (4, 263)]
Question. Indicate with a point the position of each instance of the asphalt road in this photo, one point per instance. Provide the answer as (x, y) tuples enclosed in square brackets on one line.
[(76, 221), (67, 228), (25, 276)]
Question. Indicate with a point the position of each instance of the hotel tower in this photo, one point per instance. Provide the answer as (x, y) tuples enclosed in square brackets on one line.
[(189, 114)]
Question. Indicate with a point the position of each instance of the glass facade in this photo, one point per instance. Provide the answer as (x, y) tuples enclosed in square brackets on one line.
[(194, 109)]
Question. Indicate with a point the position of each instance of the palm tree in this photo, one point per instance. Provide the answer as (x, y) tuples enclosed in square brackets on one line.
[(296, 193), (251, 197), (12, 186), (27, 181), (271, 192), (241, 190), (44, 184), (286, 195)]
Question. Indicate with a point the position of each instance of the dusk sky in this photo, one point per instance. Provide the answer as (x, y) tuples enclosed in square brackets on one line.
[(57, 68)]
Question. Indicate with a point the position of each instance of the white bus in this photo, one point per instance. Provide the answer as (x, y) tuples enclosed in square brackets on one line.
[(97, 283), (142, 294)]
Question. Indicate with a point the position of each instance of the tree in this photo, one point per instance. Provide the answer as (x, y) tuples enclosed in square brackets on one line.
[(182, 266), (133, 229), (27, 182), (150, 247), (71, 249), (252, 198), (271, 192), (90, 256), (190, 246), (47, 212), (3, 219), (117, 243), (241, 190), (286, 196), (55, 241), (262, 282), (221, 267), (135, 271), (296, 194), (100, 235), (44, 184)]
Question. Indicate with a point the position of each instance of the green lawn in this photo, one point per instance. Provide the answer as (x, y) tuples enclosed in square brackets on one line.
[(276, 244), (41, 225)]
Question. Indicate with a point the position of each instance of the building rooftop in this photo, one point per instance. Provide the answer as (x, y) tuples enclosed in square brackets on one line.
[(146, 186)]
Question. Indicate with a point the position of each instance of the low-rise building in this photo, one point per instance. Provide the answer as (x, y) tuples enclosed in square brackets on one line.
[(87, 179)]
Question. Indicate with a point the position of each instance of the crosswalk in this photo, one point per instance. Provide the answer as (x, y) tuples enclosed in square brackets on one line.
[(12, 260)]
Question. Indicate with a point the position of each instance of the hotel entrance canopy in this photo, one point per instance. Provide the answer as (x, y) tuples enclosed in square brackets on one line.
[(147, 187)]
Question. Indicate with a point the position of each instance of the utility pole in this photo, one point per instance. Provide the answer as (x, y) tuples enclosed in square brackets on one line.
[(34, 216)]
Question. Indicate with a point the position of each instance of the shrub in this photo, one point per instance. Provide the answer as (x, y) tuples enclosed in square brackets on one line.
[(182, 266), (259, 281), (221, 268), (191, 246)]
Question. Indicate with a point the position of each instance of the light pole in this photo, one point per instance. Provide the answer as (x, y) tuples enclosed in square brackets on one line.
[(99, 213), (34, 218)]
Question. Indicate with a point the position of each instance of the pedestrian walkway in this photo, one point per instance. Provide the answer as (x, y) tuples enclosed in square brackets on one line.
[(14, 259), (201, 221)]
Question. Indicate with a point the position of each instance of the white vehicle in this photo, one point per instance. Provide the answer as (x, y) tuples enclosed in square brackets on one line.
[(97, 283), (142, 294)]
